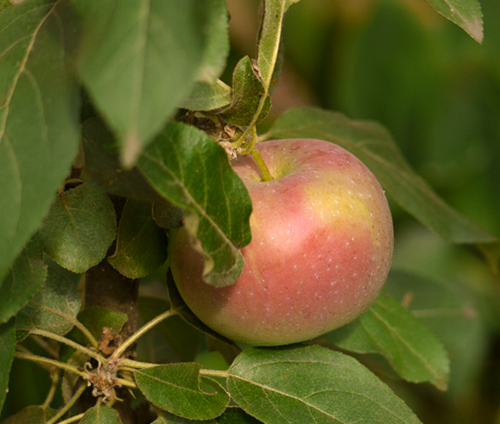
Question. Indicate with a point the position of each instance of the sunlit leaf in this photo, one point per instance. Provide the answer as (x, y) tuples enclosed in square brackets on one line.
[(38, 117), (7, 350), (312, 384), (176, 389), (192, 171), (464, 13), (55, 306), (80, 228), (25, 279), (139, 59), (373, 145), (389, 329)]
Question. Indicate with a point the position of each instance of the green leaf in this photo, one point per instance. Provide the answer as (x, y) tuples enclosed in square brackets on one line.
[(450, 311), (464, 13), (183, 339), (102, 165), (236, 416), (101, 414), (7, 350), (389, 329), (141, 246), (80, 228), (167, 418), (39, 128), (31, 415), (247, 92), (139, 59), (373, 145), (312, 384), (230, 416), (95, 319), (167, 216), (270, 37), (176, 389), (206, 97), (192, 171), (25, 279), (216, 37), (55, 306)]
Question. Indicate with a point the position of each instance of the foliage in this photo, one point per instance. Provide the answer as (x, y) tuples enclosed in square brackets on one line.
[(117, 122)]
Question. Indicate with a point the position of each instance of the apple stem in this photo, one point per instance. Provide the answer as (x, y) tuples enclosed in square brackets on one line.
[(266, 174), (252, 150)]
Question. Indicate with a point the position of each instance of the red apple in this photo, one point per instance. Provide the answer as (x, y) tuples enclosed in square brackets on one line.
[(321, 248)]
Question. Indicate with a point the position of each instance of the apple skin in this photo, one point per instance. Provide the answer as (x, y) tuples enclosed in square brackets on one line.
[(321, 249)]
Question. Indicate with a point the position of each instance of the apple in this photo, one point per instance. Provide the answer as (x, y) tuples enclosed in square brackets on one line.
[(322, 242)]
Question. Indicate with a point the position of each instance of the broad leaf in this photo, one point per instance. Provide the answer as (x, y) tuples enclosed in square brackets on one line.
[(102, 165), (25, 279), (192, 171), (80, 228), (7, 350), (54, 308), (101, 414), (141, 246), (206, 97), (391, 330), (247, 92), (373, 145), (31, 415), (176, 389), (451, 313), (38, 118), (139, 59), (312, 384), (464, 13)]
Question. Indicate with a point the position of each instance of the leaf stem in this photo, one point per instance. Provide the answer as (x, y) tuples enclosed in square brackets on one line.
[(86, 332), (144, 329), (70, 343), (52, 362), (68, 406), (214, 373), (72, 419), (53, 387), (133, 365)]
